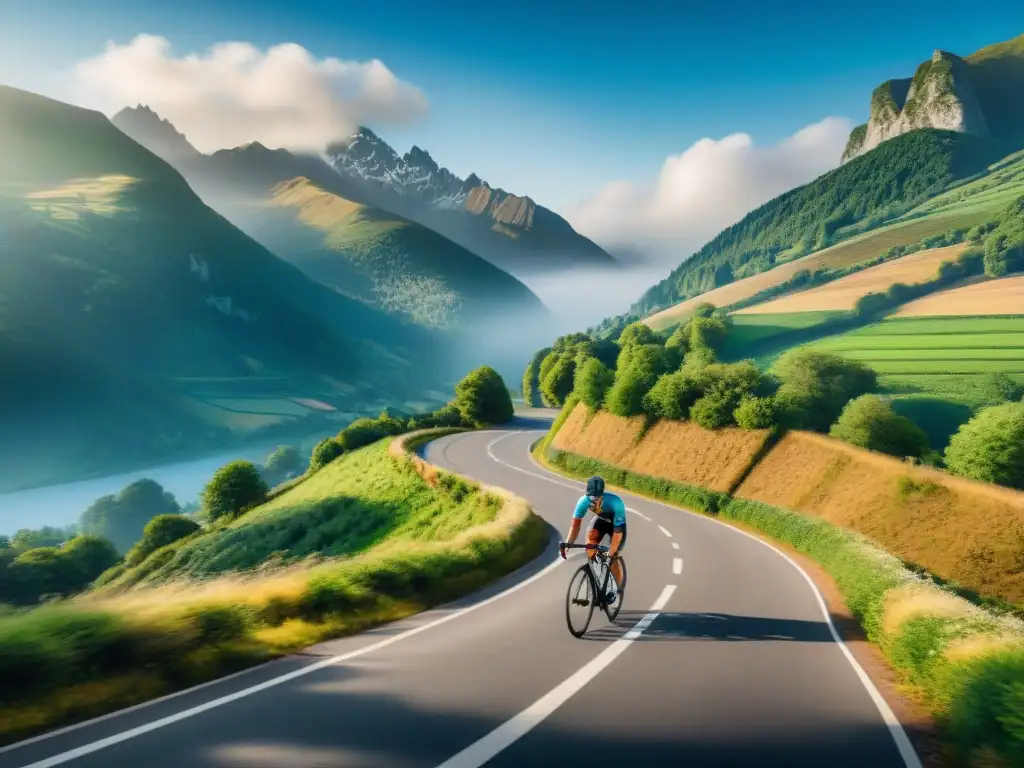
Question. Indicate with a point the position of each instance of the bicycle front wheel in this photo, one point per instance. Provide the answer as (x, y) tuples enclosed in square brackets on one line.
[(579, 601), (613, 610)]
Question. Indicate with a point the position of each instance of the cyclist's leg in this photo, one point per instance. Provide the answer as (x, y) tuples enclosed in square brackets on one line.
[(594, 535), (617, 566)]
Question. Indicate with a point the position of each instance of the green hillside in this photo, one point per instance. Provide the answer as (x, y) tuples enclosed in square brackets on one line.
[(116, 280), (400, 266), (864, 193)]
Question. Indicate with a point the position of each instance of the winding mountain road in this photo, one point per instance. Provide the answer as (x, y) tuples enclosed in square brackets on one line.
[(721, 656)]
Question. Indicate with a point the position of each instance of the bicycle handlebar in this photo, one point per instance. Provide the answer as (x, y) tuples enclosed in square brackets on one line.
[(600, 547)]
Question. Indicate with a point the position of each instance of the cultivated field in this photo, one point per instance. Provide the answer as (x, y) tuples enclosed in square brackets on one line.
[(756, 329), (994, 297), (843, 294), (845, 254), (935, 356)]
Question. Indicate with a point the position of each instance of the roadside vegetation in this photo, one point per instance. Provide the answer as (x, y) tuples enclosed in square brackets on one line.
[(368, 536), (961, 652)]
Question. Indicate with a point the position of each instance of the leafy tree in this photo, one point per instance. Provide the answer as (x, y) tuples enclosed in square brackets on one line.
[(121, 518), (446, 416), (815, 387), (558, 382), (234, 489), (38, 572), (88, 557), (531, 378), (326, 451), (637, 333), (672, 396), (998, 388), (755, 412), (990, 447), (483, 399), (705, 308), (712, 411), (593, 380), (680, 339), (1004, 246), (635, 377), (161, 531), (870, 422), (35, 538), (285, 461), (708, 332)]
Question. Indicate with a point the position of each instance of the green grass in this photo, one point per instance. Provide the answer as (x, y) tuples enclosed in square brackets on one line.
[(967, 662), (347, 507), (935, 356), (81, 658), (750, 329)]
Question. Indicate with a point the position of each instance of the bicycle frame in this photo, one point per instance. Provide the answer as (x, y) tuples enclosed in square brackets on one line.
[(599, 566)]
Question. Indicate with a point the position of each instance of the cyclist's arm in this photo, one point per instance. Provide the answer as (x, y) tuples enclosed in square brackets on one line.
[(577, 519)]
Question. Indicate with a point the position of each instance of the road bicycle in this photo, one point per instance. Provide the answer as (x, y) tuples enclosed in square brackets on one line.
[(589, 585)]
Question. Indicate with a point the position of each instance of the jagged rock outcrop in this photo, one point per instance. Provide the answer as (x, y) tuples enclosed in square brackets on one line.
[(940, 95), (981, 94), (511, 231), (157, 135)]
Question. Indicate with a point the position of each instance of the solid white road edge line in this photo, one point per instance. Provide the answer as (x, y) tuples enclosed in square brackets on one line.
[(479, 752), (665, 530), (677, 565), (903, 745), (85, 749)]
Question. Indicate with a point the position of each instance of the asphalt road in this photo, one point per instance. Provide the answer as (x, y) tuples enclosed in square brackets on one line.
[(721, 656)]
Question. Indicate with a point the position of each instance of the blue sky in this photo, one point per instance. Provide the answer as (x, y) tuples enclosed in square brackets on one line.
[(546, 98)]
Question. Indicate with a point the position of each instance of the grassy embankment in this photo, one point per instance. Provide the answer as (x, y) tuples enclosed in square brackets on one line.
[(961, 653), (372, 537)]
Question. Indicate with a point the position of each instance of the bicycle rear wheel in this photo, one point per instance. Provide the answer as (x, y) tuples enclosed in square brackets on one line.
[(579, 601), (613, 610)]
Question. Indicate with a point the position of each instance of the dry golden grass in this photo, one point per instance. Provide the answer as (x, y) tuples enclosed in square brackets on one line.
[(844, 254), (674, 450), (843, 294), (316, 207), (965, 531), (100, 195), (1004, 296)]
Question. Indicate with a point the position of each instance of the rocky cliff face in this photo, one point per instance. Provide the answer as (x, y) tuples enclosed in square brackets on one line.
[(942, 95), (512, 232)]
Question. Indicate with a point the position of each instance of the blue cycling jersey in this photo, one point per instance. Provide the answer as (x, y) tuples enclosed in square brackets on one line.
[(612, 509)]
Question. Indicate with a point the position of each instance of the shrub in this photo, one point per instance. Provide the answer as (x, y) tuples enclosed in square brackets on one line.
[(234, 489), (34, 538), (990, 447), (713, 410), (815, 386), (707, 332), (870, 422), (704, 309), (680, 339), (672, 396), (89, 556), (324, 453), (634, 378), (593, 380), (558, 381), (161, 531), (755, 412), (360, 433), (483, 399), (996, 388), (284, 462)]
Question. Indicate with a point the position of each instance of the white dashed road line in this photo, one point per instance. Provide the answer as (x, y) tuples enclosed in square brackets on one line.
[(677, 565), (508, 733), (665, 530), (675, 545)]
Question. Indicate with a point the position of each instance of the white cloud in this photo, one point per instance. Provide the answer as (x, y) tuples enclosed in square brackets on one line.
[(710, 186), (235, 93)]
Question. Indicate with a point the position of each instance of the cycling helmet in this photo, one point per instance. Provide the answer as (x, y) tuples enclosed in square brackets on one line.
[(595, 487)]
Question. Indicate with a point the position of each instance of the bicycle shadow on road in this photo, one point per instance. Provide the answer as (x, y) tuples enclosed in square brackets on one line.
[(725, 627)]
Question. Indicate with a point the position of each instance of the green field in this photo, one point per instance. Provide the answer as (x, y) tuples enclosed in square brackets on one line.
[(936, 356), (752, 333)]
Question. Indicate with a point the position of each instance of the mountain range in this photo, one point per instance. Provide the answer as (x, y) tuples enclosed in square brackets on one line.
[(117, 283), (512, 232)]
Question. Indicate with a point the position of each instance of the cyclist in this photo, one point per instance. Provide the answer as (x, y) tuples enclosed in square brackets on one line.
[(609, 520)]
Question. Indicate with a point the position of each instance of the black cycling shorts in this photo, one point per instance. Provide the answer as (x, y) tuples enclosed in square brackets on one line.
[(607, 528)]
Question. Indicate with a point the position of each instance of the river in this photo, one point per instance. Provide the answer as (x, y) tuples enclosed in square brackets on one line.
[(61, 505)]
